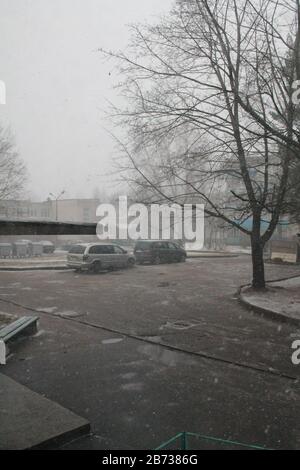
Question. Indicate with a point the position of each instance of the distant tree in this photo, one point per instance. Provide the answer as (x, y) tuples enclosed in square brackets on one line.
[(221, 75), (12, 168)]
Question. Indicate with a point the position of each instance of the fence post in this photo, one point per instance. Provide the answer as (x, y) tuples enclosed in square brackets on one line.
[(184, 441)]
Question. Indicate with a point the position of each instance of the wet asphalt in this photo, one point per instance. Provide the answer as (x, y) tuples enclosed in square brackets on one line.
[(156, 350)]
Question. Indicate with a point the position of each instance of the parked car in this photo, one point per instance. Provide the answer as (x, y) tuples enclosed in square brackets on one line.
[(156, 252), (48, 247), (96, 257)]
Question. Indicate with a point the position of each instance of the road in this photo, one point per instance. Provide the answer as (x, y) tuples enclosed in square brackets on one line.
[(156, 350)]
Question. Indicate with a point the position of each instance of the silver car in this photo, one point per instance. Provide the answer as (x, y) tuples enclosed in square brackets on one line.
[(97, 257)]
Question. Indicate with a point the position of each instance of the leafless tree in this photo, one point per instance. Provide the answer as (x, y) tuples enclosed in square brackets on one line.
[(12, 168), (214, 82), (292, 202)]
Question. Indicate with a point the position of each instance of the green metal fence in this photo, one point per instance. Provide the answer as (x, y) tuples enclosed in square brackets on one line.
[(187, 440)]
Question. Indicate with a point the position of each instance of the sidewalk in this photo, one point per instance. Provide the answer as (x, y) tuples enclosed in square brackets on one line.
[(58, 261), (280, 301), (31, 421), (55, 261)]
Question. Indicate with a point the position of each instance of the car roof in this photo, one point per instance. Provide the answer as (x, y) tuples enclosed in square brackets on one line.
[(150, 241), (94, 244), (153, 241)]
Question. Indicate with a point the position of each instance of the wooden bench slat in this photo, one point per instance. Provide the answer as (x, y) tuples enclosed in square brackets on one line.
[(12, 330), (12, 326), (16, 327)]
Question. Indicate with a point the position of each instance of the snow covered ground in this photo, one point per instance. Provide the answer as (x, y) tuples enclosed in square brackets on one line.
[(282, 297)]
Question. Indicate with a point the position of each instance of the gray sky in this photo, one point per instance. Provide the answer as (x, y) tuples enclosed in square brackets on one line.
[(57, 85)]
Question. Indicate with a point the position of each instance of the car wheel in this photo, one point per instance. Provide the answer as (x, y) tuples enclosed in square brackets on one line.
[(156, 260), (130, 263), (96, 268)]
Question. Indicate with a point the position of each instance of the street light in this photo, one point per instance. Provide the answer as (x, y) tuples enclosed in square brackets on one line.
[(56, 198)]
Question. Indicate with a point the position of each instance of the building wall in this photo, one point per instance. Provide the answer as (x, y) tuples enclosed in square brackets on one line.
[(66, 210), (26, 210), (76, 210)]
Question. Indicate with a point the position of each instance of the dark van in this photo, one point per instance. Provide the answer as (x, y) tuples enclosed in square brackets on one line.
[(156, 252)]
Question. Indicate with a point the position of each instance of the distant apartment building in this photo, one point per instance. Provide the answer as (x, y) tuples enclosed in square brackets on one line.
[(63, 210)]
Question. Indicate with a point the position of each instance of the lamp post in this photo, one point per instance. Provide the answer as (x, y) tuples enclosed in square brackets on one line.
[(56, 198)]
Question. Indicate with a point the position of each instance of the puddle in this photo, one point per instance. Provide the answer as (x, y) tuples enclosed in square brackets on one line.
[(133, 387), (70, 314), (112, 341), (55, 282), (47, 309), (166, 357), (163, 284), (11, 286), (28, 358), (128, 376), (180, 325), (155, 339)]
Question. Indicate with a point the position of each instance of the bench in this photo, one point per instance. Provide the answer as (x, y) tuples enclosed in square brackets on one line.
[(22, 326)]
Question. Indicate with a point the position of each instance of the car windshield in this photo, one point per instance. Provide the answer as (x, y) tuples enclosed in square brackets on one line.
[(101, 250), (143, 246), (77, 250)]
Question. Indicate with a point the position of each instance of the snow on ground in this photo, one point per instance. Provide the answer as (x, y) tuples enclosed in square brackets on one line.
[(281, 297), (6, 319)]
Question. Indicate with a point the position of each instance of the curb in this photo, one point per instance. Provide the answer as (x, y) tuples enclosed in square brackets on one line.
[(60, 440), (264, 312), (35, 421), (283, 263), (212, 256), (33, 268)]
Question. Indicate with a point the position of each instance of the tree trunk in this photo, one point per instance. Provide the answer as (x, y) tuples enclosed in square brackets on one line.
[(258, 264)]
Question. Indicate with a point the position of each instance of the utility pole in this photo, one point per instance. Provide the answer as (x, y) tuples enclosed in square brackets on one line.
[(56, 199)]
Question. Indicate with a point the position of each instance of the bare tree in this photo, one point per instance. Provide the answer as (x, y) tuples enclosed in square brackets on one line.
[(218, 75), (12, 168), (292, 202)]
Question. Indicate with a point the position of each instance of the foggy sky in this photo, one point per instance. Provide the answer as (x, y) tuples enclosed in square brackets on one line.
[(57, 86)]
